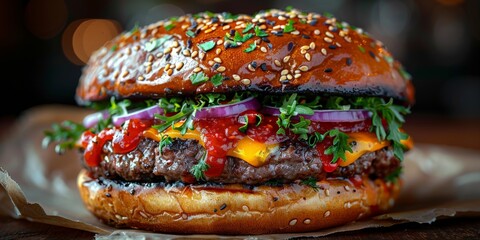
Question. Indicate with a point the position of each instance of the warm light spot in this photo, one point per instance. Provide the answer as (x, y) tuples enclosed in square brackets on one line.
[(83, 37), (45, 18)]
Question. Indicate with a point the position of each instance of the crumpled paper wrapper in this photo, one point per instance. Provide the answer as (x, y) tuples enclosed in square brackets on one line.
[(39, 185)]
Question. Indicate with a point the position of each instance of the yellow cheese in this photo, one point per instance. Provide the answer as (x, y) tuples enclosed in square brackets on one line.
[(247, 149), (365, 142), (251, 151)]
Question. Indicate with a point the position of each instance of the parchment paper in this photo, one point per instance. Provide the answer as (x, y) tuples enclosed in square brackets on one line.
[(38, 185)]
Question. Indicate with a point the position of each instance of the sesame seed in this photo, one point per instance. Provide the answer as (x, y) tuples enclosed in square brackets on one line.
[(303, 68), (148, 69), (170, 72), (304, 47), (289, 76), (194, 54), (175, 44), (218, 51), (338, 44), (201, 55), (251, 68), (324, 51), (326, 214), (263, 66), (236, 77), (150, 58), (179, 65), (147, 63), (332, 46), (283, 78), (290, 46), (197, 69), (140, 78), (186, 52), (221, 69), (218, 60), (329, 34), (286, 58), (277, 63), (226, 27), (328, 70), (208, 30), (245, 208), (293, 222), (125, 73), (167, 50), (347, 188), (303, 51), (246, 81), (349, 61), (327, 192), (307, 221), (284, 72), (308, 57), (296, 32), (348, 39), (297, 71), (166, 67), (327, 39), (282, 18), (263, 49), (312, 45), (316, 32), (297, 75), (159, 55), (136, 48), (210, 63)]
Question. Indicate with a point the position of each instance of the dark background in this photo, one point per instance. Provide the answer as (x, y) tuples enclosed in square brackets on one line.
[(438, 41)]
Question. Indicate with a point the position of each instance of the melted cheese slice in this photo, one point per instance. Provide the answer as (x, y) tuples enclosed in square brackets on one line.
[(256, 153), (253, 152)]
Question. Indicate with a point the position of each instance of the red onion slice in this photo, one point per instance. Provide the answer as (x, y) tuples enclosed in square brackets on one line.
[(145, 113), (92, 119), (353, 115), (229, 109)]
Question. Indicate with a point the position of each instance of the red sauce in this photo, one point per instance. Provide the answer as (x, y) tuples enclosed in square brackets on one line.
[(219, 135)]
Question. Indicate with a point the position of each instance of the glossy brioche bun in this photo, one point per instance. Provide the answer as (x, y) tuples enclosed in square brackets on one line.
[(234, 209), (318, 55)]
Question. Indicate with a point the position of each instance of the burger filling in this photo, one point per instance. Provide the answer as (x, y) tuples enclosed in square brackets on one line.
[(240, 138)]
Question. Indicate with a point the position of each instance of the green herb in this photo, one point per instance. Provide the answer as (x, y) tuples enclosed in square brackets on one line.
[(239, 38), (244, 119), (289, 27), (170, 105), (198, 170), (114, 48), (217, 79), (198, 78), (211, 99), (388, 59), (207, 46), (259, 32), (169, 26), (392, 114), (337, 103), (361, 49), (65, 134), (248, 27), (405, 74), (311, 182), (154, 44), (315, 138), (165, 140), (339, 146), (393, 177), (288, 8), (244, 127), (251, 47), (189, 33), (301, 128), (328, 15), (290, 108)]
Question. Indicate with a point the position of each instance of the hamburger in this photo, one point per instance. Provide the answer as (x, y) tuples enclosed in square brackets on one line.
[(214, 123)]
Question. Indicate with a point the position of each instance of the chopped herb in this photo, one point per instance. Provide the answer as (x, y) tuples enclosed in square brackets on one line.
[(206, 46), (239, 38), (169, 26), (339, 146), (198, 78), (311, 182), (114, 48), (248, 27), (65, 134), (289, 27), (251, 47), (290, 108), (244, 127), (361, 49), (288, 8), (337, 103), (165, 140), (189, 33), (198, 170), (154, 44), (217, 79), (259, 32)]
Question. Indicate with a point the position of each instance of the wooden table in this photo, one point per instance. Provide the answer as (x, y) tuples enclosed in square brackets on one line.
[(424, 129)]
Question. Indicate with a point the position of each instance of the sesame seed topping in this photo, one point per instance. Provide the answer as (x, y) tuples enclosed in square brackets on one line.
[(175, 44), (245, 208), (283, 78), (201, 55), (251, 68), (197, 69), (327, 192), (221, 69), (194, 54), (328, 70), (307, 221), (297, 75), (159, 55), (148, 69), (170, 72), (236, 77), (303, 51), (263, 49), (210, 63), (284, 72), (371, 54), (286, 58), (338, 44), (125, 73), (226, 27), (332, 46), (208, 30), (263, 66), (296, 32), (140, 78), (303, 68), (167, 50), (324, 51), (290, 46), (218, 60), (166, 67), (312, 45), (277, 63), (308, 57), (329, 34), (326, 214), (218, 51), (304, 47), (289, 76), (184, 216), (347, 188), (293, 222), (349, 61), (327, 39), (348, 39), (316, 32), (186, 52), (246, 81), (179, 66)]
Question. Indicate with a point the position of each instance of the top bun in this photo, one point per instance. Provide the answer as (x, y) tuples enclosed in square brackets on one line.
[(273, 51)]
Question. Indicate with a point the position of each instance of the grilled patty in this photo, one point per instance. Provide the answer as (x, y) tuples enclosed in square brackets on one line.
[(292, 161)]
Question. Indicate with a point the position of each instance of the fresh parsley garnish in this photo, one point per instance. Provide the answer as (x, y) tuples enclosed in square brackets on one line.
[(217, 79), (207, 46), (154, 44), (65, 134), (165, 140), (248, 27), (289, 26), (198, 170), (251, 47), (189, 33), (259, 32), (198, 78), (339, 146), (169, 26), (311, 182), (290, 108)]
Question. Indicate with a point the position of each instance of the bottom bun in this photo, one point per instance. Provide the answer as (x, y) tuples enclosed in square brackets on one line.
[(234, 208)]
